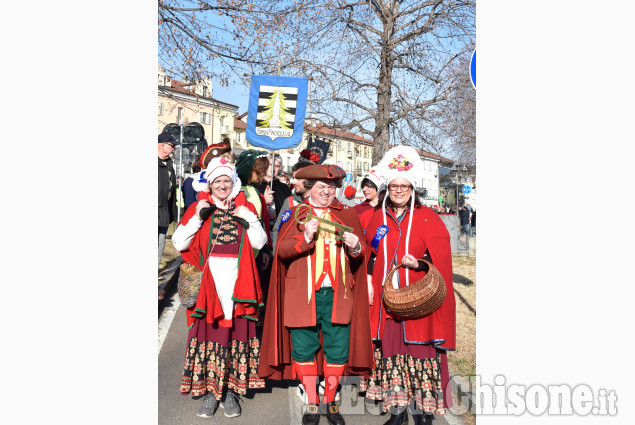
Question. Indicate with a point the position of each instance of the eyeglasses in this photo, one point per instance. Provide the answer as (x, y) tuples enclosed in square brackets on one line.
[(395, 187), (327, 188)]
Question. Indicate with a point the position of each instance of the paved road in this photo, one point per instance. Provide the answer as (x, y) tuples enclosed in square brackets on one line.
[(275, 404)]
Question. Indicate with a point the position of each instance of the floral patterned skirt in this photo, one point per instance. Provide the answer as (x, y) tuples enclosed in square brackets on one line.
[(405, 372), (219, 357)]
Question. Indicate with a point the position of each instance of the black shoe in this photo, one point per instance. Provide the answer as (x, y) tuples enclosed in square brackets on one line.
[(333, 414), (423, 419), (399, 419), (311, 415)]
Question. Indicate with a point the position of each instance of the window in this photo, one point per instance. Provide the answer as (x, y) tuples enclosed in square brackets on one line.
[(160, 108), (365, 151), (365, 166), (204, 118)]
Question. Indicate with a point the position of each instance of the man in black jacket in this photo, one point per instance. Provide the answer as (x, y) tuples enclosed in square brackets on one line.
[(167, 190)]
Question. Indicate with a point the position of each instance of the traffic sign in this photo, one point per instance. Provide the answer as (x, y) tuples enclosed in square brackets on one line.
[(467, 189), (349, 177)]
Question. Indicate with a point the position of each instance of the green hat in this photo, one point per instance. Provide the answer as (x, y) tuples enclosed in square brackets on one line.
[(245, 161)]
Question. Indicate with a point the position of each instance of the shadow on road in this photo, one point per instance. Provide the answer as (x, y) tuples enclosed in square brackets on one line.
[(462, 280), (464, 301)]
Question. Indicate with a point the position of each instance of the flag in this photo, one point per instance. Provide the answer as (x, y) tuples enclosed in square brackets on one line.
[(319, 146), (277, 106)]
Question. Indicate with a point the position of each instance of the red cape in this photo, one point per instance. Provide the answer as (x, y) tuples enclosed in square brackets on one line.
[(247, 292), (428, 232)]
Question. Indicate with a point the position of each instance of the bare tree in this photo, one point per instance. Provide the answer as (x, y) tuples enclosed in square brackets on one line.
[(375, 65)]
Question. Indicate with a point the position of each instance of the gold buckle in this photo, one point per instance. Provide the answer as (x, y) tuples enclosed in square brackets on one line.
[(334, 409), (312, 408)]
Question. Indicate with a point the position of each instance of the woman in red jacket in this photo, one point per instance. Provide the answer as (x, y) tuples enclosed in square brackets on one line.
[(217, 234), (411, 366)]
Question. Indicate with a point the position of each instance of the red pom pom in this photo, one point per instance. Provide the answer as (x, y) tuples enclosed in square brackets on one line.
[(349, 192), (311, 156)]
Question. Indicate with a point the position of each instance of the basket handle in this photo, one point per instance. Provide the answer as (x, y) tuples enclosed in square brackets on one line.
[(394, 269)]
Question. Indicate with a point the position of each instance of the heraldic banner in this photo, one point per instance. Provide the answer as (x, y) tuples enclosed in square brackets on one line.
[(277, 106), (319, 146)]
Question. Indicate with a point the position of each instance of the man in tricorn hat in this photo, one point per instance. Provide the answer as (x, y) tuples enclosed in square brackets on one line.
[(318, 285)]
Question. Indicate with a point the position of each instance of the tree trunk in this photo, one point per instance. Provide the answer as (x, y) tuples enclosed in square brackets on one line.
[(381, 134)]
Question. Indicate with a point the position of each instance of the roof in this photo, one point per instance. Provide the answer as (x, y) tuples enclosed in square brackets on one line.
[(239, 124), (177, 86), (433, 156), (329, 131)]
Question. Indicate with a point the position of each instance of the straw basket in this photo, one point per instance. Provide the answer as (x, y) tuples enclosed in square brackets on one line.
[(419, 298), (188, 284)]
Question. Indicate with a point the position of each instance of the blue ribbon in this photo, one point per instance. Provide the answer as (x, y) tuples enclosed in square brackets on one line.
[(285, 216), (202, 178), (381, 232)]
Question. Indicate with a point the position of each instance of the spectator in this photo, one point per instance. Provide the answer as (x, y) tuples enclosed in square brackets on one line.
[(464, 216), (167, 191)]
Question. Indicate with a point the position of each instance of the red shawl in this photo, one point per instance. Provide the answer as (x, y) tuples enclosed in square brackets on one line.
[(247, 292)]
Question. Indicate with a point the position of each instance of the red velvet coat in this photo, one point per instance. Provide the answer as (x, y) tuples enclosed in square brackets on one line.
[(288, 305), (247, 292), (428, 232)]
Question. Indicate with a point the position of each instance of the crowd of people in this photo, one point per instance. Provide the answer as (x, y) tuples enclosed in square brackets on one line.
[(310, 270)]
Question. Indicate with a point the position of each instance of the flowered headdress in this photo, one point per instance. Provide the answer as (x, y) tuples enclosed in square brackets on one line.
[(399, 161)]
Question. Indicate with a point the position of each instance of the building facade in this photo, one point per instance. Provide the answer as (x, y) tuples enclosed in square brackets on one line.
[(184, 103)]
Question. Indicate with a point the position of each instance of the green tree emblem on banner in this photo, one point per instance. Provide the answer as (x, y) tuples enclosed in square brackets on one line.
[(276, 112)]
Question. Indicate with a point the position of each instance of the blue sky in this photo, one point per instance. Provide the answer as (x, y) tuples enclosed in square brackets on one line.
[(235, 94)]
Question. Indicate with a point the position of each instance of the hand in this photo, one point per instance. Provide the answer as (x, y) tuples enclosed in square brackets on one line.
[(350, 240), (241, 211), (265, 260), (371, 290), (268, 197), (410, 261), (310, 228), (199, 206)]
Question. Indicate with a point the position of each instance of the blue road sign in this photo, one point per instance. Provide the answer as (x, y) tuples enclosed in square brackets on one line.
[(349, 177), (473, 68), (467, 189)]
